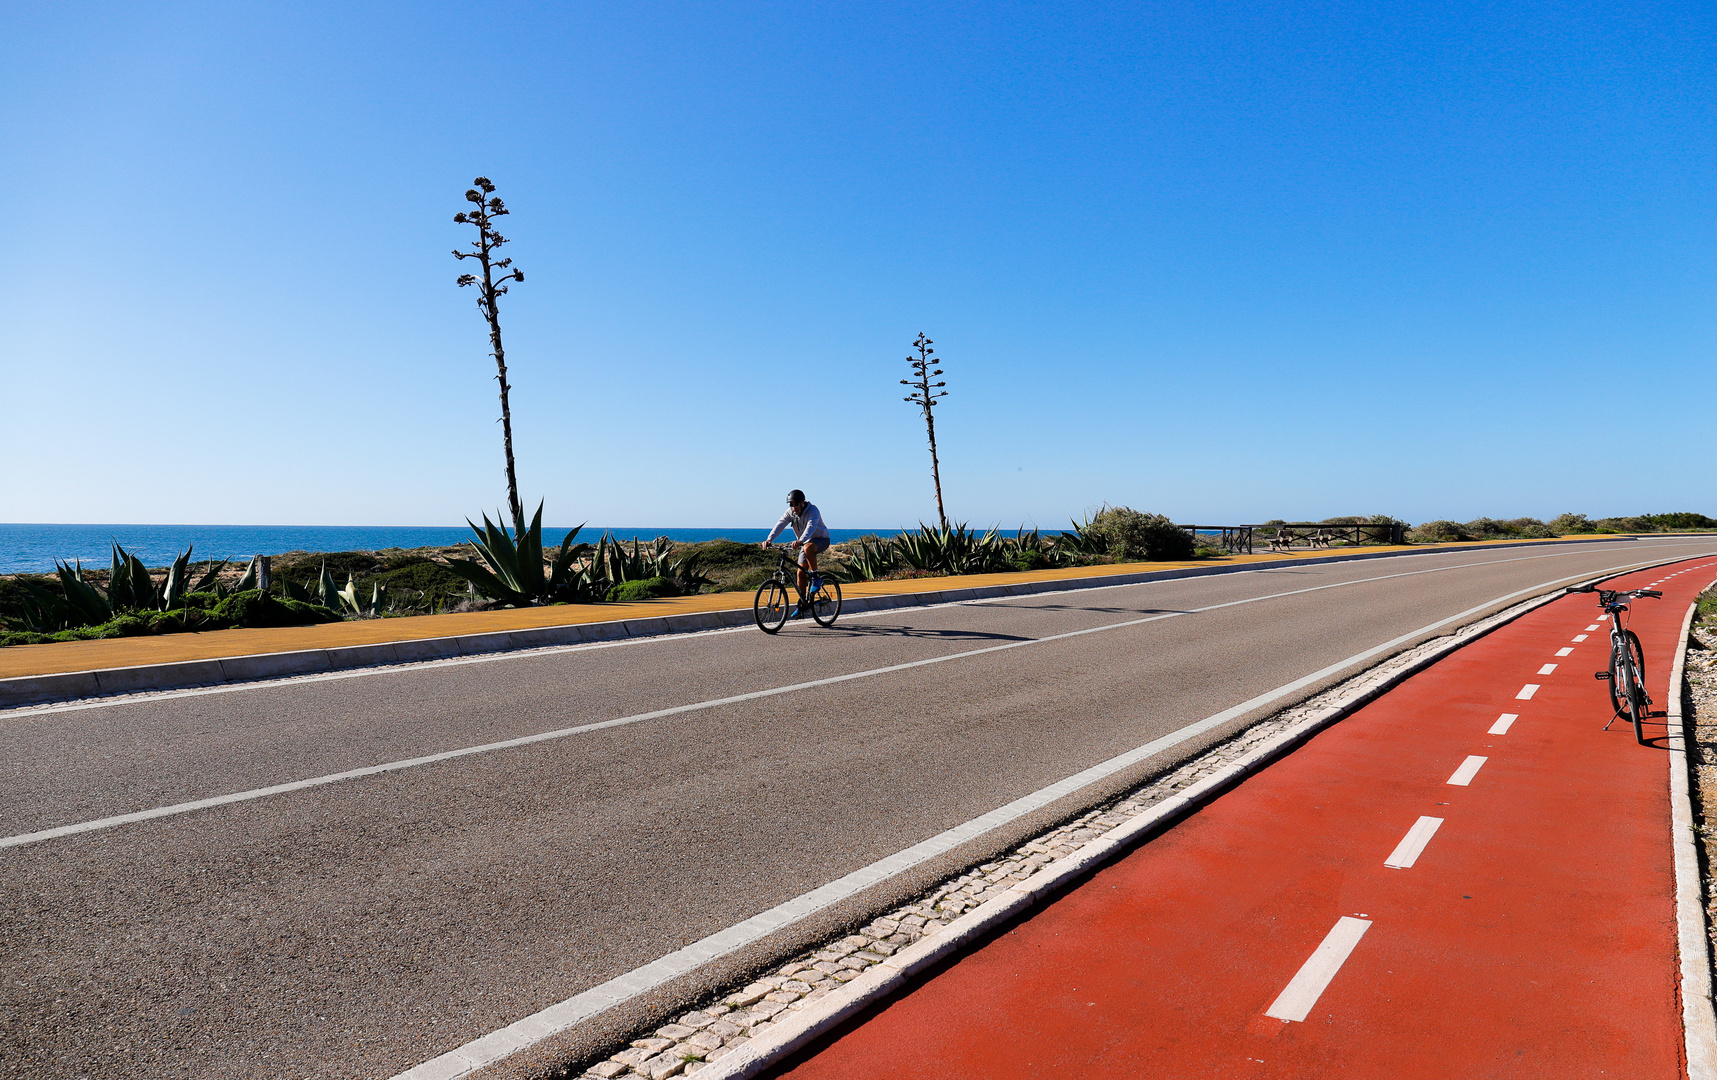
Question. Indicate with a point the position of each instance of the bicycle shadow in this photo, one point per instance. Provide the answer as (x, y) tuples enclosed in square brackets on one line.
[(912, 632), (1658, 720), (1099, 610)]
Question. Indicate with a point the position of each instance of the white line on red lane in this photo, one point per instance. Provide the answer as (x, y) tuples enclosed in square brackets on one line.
[(1547, 669), (1582, 637), (1526, 692), (1303, 991), (1407, 852), (1469, 769), (1565, 651), (1503, 723)]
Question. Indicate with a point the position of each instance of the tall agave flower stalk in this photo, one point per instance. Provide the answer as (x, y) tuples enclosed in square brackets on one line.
[(924, 395), (486, 207)]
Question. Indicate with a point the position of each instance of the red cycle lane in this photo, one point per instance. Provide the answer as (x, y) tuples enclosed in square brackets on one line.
[(1527, 928)]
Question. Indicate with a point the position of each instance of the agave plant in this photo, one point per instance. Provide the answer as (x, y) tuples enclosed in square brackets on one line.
[(957, 549), (42, 612), (347, 598), (870, 558), (130, 588), (1083, 540), (613, 562), (513, 572)]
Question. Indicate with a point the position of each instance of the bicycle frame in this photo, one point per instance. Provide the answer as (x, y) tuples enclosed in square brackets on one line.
[(786, 572), (1626, 674)]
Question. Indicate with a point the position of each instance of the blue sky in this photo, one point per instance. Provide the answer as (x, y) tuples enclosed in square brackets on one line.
[(1227, 263)]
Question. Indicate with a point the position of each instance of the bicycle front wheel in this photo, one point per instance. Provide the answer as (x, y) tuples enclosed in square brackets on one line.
[(769, 606), (1638, 655), (1625, 683), (826, 602)]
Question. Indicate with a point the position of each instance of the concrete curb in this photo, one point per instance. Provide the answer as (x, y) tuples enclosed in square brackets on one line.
[(1698, 1018), (106, 682), (794, 1033)]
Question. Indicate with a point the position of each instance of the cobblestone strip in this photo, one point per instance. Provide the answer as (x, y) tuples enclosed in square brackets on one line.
[(722, 1024)]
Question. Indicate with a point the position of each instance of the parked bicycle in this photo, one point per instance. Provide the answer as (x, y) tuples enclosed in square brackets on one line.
[(1626, 676), (771, 606)]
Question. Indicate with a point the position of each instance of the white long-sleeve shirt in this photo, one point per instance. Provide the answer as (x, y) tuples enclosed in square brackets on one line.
[(806, 526)]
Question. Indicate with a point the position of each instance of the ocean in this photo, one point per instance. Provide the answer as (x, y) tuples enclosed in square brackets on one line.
[(33, 548)]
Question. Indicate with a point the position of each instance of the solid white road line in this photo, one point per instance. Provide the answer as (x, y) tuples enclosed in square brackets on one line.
[(1503, 723), (1407, 852), (1469, 769), (1567, 651), (562, 1015), (1302, 993), (1547, 669), (1526, 692), (549, 736)]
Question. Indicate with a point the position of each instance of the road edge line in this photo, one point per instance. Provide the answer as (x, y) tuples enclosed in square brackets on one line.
[(1698, 1016), (789, 1035)]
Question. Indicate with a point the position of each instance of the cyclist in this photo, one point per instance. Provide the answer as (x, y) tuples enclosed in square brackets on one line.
[(810, 537)]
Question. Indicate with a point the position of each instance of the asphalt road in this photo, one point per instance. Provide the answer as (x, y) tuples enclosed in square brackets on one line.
[(360, 927)]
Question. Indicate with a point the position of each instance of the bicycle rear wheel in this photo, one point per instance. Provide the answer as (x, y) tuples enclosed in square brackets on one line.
[(826, 602), (769, 606)]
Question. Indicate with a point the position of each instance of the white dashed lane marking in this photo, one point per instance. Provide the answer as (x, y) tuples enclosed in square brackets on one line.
[(1547, 669), (1526, 692), (1564, 651), (1469, 769), (1407, 852), (1303, 991), (1582, 637), (1503, 723)]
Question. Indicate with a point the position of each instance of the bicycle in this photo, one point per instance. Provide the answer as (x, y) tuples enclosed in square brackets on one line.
[(1626, 676), (822, 598)]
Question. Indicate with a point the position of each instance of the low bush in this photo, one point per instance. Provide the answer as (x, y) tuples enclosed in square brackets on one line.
[(1708, 606), (1134, 536), (1439, 532), (643, 589), (746, 582), (252, 608), (1028, 559)]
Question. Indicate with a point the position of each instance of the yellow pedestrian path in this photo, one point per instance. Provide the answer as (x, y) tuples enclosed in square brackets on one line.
[(69, 656)]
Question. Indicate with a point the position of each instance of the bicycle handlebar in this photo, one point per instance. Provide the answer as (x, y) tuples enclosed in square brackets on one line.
[(1611, 596)]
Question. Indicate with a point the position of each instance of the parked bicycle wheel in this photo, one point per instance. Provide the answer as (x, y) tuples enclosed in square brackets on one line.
[(826, 602), (1618, 689), (1639, 655), (769, 607), (1627, 692)]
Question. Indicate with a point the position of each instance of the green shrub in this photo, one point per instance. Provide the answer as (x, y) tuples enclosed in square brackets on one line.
[(748, 581), (1708, 605), (254, 609), (1134, 536), (1028, 559), (643, 589), (1440, 532), (1682, 520)]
